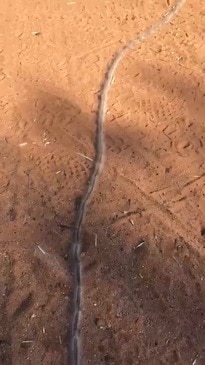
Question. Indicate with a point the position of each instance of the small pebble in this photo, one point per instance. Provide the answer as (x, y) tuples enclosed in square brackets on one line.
[(100, 323), (36, 33)]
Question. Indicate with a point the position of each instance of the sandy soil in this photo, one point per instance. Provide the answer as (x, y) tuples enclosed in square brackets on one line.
[(143, 304)]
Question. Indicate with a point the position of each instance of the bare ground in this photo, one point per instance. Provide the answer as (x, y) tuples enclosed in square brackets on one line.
[(144, 290)]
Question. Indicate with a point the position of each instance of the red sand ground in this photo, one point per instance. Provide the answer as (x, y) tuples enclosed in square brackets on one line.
[(142, 305)]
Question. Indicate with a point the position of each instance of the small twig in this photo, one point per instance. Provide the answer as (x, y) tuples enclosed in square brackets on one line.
[(84, 156), (59, 234), (96, 239), (194, 362), (174, 258), (140, 244), (112, 81), (63, 226), (198, 177), (126, 214), (27, 173), (160, 189), (39, 247), (131, 221)]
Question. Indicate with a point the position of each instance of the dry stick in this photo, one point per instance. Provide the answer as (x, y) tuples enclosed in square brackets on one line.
[(98, 162)]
